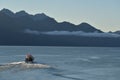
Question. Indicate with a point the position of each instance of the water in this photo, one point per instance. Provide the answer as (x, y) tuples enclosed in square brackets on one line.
[(60, 63)]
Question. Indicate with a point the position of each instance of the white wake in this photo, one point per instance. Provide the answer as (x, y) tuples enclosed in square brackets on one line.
[(23, 65)]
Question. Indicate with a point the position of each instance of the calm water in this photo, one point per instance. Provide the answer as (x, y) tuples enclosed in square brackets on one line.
[(66, 63)]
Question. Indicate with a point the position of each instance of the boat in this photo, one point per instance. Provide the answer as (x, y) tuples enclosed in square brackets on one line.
[(29, 58)]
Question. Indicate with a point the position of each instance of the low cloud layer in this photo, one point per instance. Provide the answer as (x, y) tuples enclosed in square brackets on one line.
[(74, 33), (32, 31)]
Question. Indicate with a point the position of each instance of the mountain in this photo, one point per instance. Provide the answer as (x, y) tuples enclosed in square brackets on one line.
[(7, 12), (41, 16), (40, 22), (22, 28), (117, 32), (87, 28), (21, 13)]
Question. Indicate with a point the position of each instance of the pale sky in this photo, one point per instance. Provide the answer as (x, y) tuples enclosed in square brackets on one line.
[(103, 14)]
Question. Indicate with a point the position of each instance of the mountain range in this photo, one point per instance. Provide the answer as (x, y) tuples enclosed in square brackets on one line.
[(22, 28)]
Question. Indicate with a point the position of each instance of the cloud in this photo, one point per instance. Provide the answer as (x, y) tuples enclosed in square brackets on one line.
[(74, 33), (32, 32), (81, 33)]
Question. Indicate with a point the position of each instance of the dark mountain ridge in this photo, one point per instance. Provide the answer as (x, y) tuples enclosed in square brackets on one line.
[(41, 22), (13, 28)]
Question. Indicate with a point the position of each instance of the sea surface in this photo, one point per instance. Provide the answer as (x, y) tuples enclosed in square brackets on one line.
[(60, 63)]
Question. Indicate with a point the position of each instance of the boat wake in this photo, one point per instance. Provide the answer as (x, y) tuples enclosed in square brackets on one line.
[(23, 65)]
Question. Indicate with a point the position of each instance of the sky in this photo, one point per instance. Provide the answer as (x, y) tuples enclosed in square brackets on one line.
[(102, 14)]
